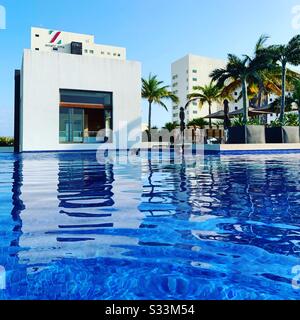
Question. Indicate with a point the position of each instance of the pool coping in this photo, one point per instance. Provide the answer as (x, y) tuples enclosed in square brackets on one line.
[(252, 148), (208, 149)]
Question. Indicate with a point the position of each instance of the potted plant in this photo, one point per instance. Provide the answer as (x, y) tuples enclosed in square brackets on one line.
[(290, 130), (274, 132), (251, 133), (284, 132)]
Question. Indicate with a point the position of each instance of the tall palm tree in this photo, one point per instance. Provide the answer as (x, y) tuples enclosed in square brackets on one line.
[(238, 72), (284, 54), (156, 92), (207, 94)]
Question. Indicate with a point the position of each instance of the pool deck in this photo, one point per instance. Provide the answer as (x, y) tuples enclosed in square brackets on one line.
[(251, 148)]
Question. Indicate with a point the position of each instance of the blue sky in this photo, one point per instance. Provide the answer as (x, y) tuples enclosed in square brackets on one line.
[(155, 32)]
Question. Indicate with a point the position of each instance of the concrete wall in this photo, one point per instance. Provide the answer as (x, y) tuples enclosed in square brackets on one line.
[(43, 74)]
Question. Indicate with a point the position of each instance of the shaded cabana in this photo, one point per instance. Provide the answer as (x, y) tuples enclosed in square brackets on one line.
[(252, 112), (217, 115)]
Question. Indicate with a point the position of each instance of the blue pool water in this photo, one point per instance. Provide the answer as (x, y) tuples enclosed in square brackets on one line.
[(222, 228)]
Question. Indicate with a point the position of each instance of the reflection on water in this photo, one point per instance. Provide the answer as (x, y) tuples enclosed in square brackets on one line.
[(225, 228)]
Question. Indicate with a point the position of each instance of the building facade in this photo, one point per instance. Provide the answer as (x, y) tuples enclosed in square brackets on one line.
[(191, 71), (73, 94)]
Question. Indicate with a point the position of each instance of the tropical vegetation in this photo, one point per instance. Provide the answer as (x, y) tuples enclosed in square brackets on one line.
[(155, 92), (284, 55), (207, 94), (6, 142), (198, 123), (170, 126), (260, 76), (240, 71)]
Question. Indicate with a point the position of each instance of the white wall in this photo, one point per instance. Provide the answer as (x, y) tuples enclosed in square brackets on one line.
[(45, 73), (41, 38), (184, 69)]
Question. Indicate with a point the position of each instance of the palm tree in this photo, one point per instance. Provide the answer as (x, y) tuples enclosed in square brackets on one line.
[(155, 92), (284, 54), (238, 72), (170, 126), (199, 122), (207, 94)]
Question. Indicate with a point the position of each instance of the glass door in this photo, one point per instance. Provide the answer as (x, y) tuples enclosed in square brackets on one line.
[(77, 123), (71, 123)]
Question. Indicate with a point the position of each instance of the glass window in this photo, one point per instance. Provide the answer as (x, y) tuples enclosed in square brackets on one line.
[(87, 97), (80, 121), (195, 79), (195, 71)]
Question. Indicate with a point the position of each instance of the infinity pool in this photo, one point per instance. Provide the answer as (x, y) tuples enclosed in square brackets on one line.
[(215, 228)]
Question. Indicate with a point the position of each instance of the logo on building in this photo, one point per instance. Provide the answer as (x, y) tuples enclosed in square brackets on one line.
[(2, 18), (55, 37)]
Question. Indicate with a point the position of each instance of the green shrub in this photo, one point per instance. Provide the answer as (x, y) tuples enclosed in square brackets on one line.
[(6, 142), (238, 122), (199, 122), (290, 119)]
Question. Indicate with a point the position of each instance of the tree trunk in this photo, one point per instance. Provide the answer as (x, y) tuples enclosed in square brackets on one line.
[(283, 83), (245, 101), (209, 111), (149, 121)]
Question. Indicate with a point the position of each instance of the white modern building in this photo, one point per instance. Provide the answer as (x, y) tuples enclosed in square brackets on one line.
[(69, 89), (191, 71)]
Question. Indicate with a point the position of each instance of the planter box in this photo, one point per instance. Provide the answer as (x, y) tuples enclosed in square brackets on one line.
[(236, 135), (283, 135), (274, 135), (290, 134), (246, 135)]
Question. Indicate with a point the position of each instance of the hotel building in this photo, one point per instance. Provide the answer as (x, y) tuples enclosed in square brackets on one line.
[(191, 71), (69, 89)]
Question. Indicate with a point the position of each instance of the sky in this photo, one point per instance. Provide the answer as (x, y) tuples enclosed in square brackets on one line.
[(155, 32)]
